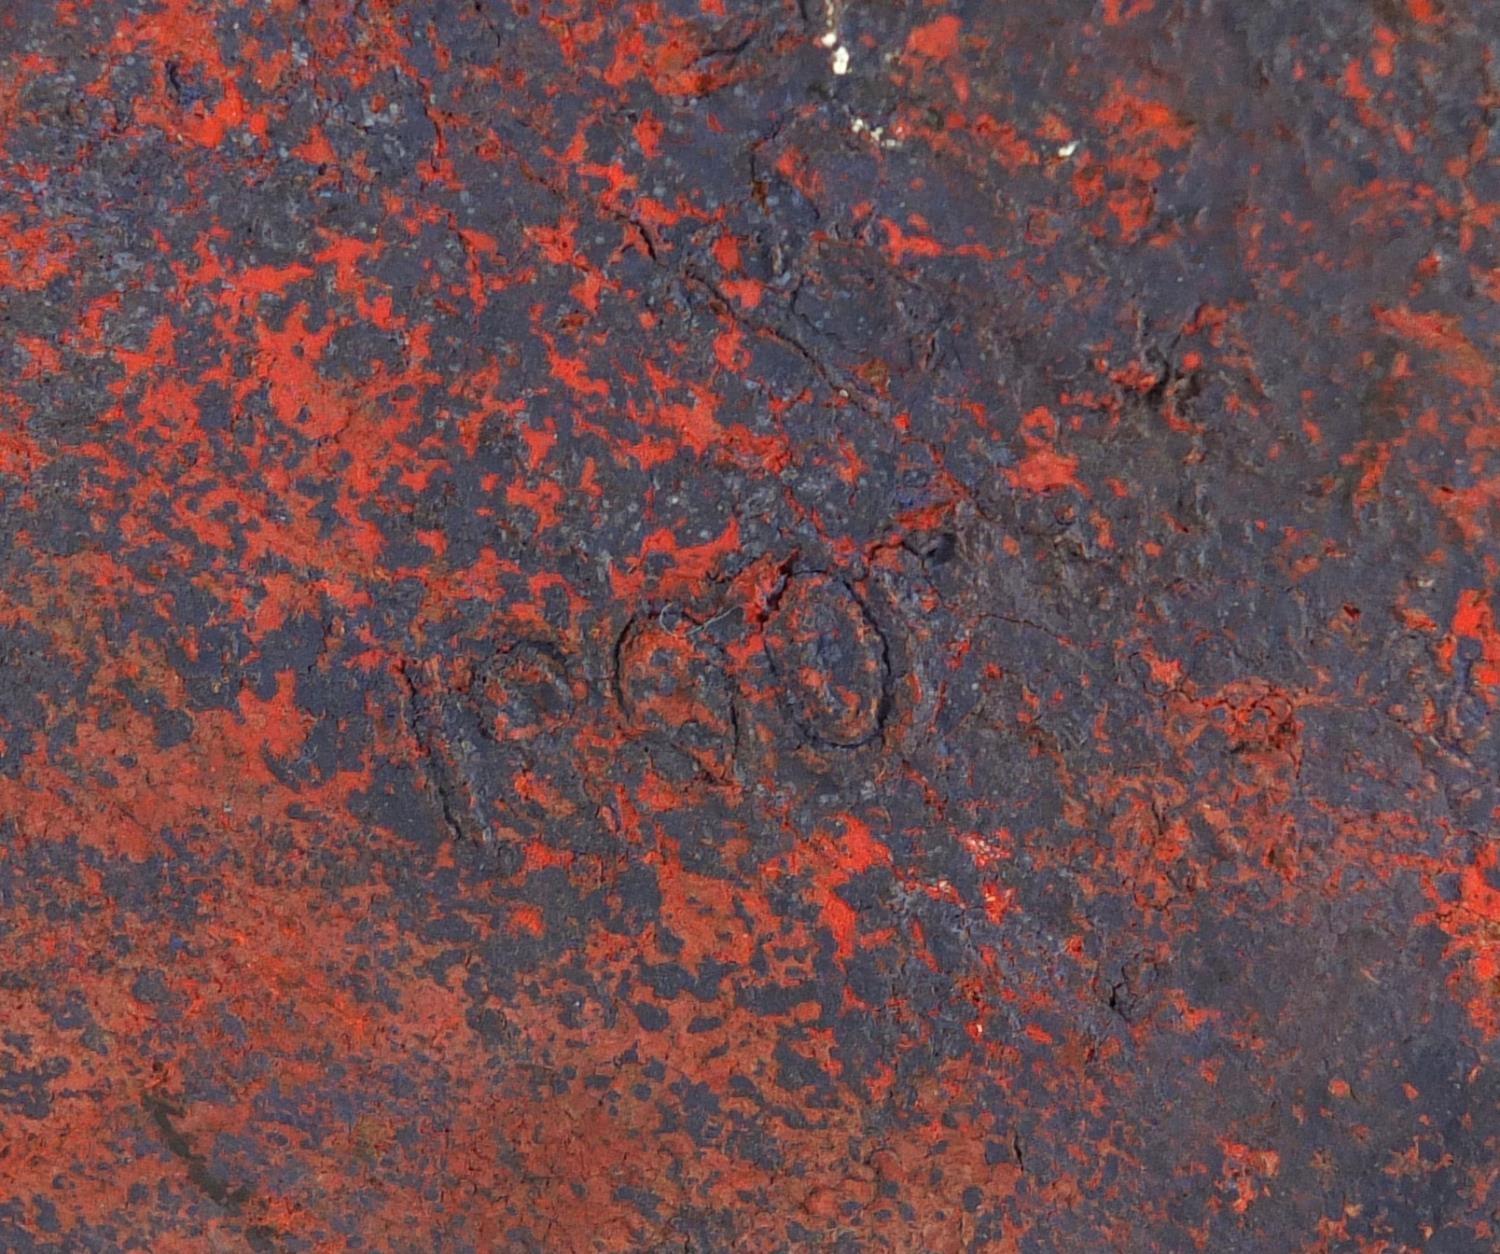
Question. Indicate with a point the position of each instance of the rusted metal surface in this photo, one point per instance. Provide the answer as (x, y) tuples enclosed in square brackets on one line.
[(716, 626)]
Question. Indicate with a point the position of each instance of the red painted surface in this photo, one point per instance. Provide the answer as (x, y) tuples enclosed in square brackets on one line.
[(707, 626)]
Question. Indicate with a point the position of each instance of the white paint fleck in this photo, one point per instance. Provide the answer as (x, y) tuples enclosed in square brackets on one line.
[(830, 38), (1068, 149), (877, 133), (841, 60)]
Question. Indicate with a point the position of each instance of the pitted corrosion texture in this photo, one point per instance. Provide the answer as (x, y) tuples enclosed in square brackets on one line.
[(708, 625)]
